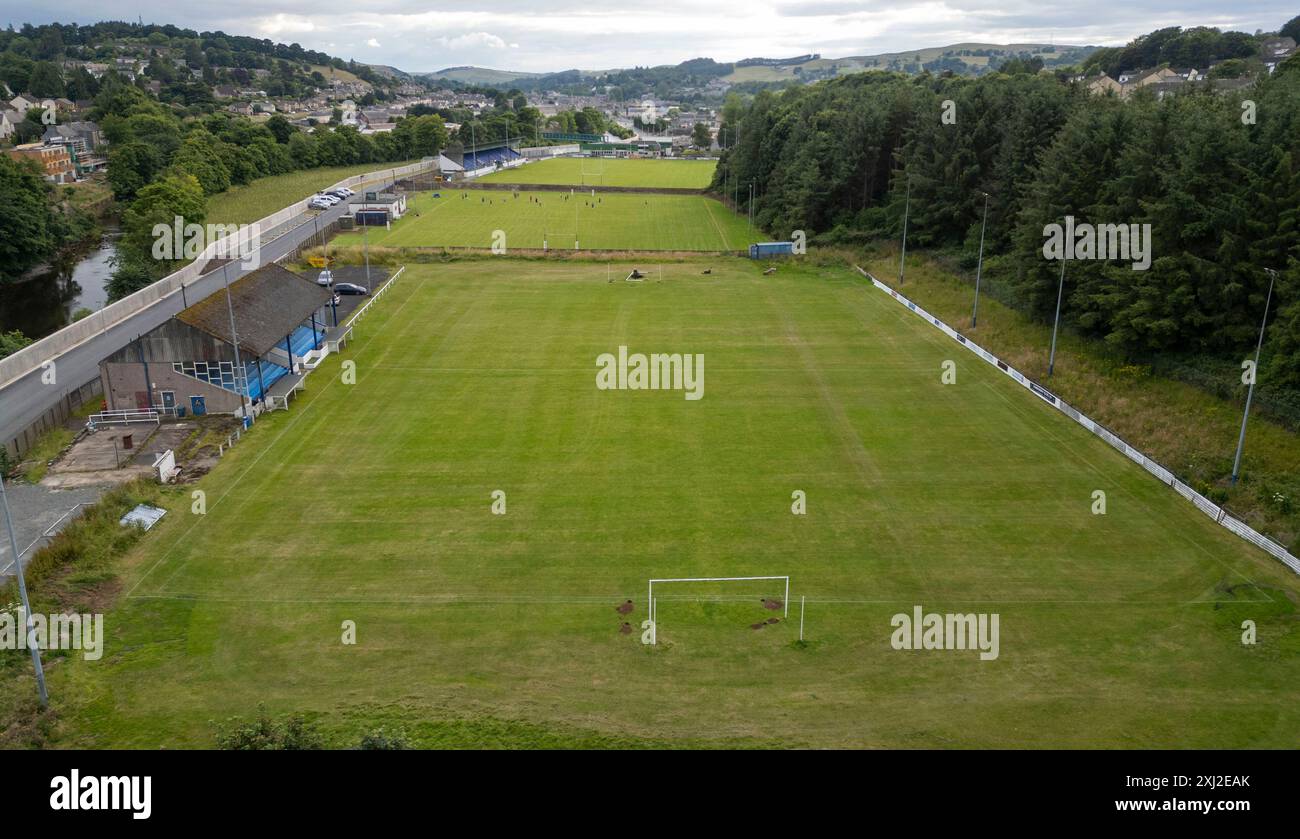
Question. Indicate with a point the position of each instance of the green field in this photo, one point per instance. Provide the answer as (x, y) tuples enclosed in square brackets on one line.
[(371, 502), (608, 221), (250, 202), (579, 171)]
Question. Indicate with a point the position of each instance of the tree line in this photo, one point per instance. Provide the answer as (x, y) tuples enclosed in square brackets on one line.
[(1216, 175), (161, 164)]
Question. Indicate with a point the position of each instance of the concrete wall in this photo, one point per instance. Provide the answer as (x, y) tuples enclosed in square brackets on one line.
[(122, 373), (54, 416), (122, 381)]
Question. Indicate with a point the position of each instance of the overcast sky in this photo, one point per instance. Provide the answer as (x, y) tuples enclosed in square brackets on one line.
[(547, 35)]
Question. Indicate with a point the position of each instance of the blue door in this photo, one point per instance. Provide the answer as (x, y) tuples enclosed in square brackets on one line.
[(197, 406)]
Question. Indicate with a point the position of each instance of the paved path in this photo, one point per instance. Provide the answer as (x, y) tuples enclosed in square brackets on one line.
[(34, 510)]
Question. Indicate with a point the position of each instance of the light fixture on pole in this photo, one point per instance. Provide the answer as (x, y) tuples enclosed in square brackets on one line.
[(244, 401), (979, 266), (28, 634), (1250, 390), (907, 207), (365, 248), (1060, 290)]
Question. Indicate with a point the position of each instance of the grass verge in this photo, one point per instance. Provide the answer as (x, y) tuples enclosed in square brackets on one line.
[(1190, 431)]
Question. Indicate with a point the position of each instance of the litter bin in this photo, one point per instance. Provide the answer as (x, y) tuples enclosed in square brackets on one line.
[(248, 423), (180, 413)]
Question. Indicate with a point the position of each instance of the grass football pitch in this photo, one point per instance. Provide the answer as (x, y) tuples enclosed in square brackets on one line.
[(607, 221), (372, 502), (675, 174)]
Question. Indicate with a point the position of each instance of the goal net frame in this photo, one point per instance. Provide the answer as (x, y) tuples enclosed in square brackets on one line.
[(654, 609), (547, 235), (598, 173)]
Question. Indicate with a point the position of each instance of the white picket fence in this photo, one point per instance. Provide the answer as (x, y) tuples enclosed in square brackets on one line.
[(1202, 503), (313, 359), (125, 417), (38, 352), (357, 315)]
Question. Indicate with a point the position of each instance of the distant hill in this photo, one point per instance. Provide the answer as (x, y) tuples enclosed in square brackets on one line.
[(967, 59), (390, 72), (970, 59), (477, 75)]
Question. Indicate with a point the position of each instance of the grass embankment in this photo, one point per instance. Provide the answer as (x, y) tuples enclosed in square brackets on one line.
[(75, 573), (1191, 432), (36, 462), (250, 202)]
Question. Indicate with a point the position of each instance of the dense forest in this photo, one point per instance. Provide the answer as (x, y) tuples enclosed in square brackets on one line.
[(1215, 174), (29, 56)]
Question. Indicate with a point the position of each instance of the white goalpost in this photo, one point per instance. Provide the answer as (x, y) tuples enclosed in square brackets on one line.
[(653, 607), (593, 167), (560, 238)]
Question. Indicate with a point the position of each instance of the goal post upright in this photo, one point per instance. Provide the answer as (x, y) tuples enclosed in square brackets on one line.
[(652, 606)]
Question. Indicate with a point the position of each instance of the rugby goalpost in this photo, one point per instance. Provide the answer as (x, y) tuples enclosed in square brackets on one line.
[(653, 607), (560, 236), (595, 169)]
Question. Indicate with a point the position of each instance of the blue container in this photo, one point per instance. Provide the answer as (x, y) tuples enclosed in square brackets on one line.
[(765, 250)]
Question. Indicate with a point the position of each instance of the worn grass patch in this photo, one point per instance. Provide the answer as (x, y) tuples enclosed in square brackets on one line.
[(250, 202)]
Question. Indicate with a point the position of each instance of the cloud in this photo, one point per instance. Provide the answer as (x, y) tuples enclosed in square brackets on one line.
[(372, 43), (283, 24), (474, 40), (552, 35)]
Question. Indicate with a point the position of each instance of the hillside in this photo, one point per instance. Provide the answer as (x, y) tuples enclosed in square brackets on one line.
[(964, 59), (477, 75)]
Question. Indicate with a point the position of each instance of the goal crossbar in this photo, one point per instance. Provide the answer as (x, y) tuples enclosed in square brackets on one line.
[(650, 600)]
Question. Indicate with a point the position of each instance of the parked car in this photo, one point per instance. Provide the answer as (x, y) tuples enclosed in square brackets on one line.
[(325, 278), (329, 199), (340, 192), (350, 288), (319, 203)]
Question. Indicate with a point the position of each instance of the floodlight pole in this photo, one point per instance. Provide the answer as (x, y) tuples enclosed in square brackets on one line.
[(751, 205), (1250, 391), (979, 266), (1060, 290), (27, 607), (365, 247), (907, 207), (234, 340)]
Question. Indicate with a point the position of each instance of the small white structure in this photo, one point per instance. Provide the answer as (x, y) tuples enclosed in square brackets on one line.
[(142, 516), (165, 463)]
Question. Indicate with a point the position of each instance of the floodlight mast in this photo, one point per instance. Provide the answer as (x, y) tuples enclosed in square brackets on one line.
[(27, 629)]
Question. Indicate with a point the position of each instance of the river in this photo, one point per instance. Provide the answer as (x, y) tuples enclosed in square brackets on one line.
[(46, 302)]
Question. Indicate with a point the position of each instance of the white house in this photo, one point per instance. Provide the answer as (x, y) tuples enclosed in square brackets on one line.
[(9, 123)]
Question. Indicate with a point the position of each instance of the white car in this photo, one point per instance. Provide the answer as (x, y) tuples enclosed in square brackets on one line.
[(341, 192), (325, 278), (318, 203)]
